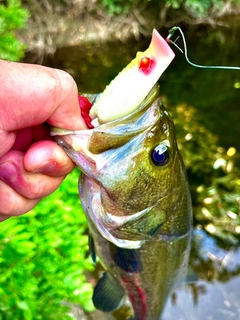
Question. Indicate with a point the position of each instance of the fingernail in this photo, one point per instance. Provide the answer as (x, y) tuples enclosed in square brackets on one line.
[(44, 167), (8, 171)]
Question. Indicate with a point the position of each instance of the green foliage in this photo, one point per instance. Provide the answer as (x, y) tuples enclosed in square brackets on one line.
[(175, 4), (213, 178), (43, 257), (12, 17), (197, 8), (201, 7), (114, 7)]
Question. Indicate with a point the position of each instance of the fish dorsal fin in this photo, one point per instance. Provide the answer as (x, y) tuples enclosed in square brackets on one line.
[(108, 294)]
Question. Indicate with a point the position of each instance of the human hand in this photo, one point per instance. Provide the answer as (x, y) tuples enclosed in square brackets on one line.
[(32, 165)]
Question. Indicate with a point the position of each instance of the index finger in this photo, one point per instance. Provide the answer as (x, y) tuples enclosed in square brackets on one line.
[(33, 94)]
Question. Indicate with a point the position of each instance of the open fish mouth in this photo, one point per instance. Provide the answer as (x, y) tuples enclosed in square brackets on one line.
[(86, 146)]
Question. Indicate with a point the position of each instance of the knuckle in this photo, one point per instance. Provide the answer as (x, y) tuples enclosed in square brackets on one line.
[(64, 80)]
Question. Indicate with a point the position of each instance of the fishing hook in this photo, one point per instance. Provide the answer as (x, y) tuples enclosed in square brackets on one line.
[(168, 39)]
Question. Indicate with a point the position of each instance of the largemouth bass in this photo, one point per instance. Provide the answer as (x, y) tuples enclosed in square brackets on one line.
[(135, 195)]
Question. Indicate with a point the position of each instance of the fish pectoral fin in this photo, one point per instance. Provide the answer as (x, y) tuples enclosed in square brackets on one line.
[(108, 294)]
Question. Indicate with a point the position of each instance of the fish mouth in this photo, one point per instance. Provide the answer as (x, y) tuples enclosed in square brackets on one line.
[(85, 147), (130, 93)]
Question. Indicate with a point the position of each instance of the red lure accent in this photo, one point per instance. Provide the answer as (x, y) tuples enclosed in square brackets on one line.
[(85, 106), (146, 64)]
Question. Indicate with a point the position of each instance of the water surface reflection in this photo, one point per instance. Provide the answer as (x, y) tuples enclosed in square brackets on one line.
[(215, 295)]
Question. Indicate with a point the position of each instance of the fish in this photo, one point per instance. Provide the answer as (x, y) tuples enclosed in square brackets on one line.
[(133, 189)]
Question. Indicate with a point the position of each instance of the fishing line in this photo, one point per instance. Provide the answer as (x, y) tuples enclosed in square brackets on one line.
[(168, 39)]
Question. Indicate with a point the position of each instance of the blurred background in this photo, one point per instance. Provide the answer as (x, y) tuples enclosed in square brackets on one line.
[(45, 269)]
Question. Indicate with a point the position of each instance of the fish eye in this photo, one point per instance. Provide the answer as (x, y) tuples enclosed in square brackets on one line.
[(160, 155)]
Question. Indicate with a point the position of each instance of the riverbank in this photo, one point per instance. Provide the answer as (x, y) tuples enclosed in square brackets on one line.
[(54, 25)]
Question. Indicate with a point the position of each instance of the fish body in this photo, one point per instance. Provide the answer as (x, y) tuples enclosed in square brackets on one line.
[(136, 198), (137, 202)]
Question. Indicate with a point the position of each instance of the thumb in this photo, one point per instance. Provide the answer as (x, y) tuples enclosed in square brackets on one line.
[(48, 158)]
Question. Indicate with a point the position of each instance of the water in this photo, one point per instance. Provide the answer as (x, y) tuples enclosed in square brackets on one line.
[(215, 93), (216, 96), (215, 295)]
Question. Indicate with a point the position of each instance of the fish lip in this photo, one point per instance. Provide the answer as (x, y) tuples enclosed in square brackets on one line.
[(54, 132)]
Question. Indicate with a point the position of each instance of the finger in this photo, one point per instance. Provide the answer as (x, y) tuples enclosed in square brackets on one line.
[(13, 204), (22, 139), (40, 94), (26, 137), (7, 140), (68, 95), (27, 184), (3, 217), (48, 158)]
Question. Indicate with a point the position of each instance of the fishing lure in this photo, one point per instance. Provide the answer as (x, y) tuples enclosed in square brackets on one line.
[(185, 52)]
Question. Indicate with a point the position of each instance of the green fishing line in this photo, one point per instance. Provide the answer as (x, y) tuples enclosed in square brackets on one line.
[(172, 31)]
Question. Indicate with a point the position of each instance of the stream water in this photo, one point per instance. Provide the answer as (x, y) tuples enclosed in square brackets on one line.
[(216, 96), (215, 295)]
